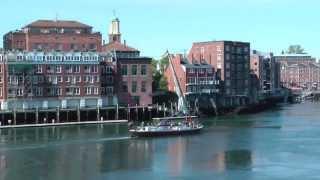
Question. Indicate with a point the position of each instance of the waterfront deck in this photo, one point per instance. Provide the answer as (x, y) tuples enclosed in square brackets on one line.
[(63, 124)]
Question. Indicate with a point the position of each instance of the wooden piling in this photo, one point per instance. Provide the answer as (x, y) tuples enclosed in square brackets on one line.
[(98, 113), (117, 111), (137, 113), (37, 115), (14, 117), (58, 115), (78, 114)]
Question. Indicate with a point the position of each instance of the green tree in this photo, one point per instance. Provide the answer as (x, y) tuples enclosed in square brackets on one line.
[(163, 63), (295, 49), (158, 69), (163, 85)]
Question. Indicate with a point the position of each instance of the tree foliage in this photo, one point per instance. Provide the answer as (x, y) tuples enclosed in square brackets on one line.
[(159, 80), (295, 49)]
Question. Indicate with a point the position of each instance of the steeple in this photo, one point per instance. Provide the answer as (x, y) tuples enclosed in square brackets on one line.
[(114, 31)]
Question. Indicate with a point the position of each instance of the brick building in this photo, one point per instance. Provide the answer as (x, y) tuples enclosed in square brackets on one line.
[(134, 77), (299, 71), (55, 79), (48, 35), (267, 71), (194, 80), (231, 60)]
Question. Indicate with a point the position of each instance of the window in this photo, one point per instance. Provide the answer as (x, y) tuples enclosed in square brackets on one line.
[(191, 80), (143, 69), (60, 79), (191, 70), (227, 48), (76, 68), (95, 69), (227, 57), (0, 79), (228, 74), (76, 91), (67, 78), (86, 79), (58, 91), (38, 91), (134, 87), (50, 69), (87, 69), (19, 92), (202, 70), (96, 79), (58, 69), (109, 90), (78, 78), (68, 69), (109, 70), (143, 86), (39, 69), (134, 69), (136, 99), (228, 83), (124, 70), (87, 90), (96, 90)]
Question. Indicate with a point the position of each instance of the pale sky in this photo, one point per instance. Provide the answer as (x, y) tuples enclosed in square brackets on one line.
[(153, 26)]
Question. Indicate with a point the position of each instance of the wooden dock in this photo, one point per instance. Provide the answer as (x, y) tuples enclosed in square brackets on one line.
[(63, 124)]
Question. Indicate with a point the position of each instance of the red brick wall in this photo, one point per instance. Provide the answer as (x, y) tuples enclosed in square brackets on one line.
[(209, 53), (126, 97), (181, 74), (65, 40), (15, 40)]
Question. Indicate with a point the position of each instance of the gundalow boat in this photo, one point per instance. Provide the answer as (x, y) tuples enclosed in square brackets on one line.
[(168, 126)]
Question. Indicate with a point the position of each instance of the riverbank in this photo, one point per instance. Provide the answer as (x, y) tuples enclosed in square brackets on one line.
[(261, 106)]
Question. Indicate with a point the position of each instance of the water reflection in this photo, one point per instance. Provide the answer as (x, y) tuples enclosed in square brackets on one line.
[(228, 148), (234, 159)]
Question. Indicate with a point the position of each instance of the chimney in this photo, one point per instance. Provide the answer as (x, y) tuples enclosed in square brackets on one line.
[(104, 42), (125, 43)]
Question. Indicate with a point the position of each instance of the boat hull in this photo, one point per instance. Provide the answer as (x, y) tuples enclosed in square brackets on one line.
[(164, 133)]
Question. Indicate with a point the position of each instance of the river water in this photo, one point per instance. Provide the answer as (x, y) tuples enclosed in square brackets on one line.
[(282, 143)]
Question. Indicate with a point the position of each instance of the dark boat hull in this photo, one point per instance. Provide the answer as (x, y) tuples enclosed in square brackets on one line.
[(164, 133)]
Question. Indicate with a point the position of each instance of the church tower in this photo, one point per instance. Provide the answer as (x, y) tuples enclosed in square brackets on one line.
[(114, 31)]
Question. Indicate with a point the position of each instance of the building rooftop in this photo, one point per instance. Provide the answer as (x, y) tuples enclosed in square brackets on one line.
[(293, 55), (208, 42), (117, 46), (57, 24)]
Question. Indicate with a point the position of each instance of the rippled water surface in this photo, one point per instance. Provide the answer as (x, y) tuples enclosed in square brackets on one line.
[(283, 143)]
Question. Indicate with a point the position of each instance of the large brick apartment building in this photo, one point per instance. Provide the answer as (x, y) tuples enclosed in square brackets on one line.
[(50, 64), (231, 60), (55, 79), (57, 35), (299, 71)]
